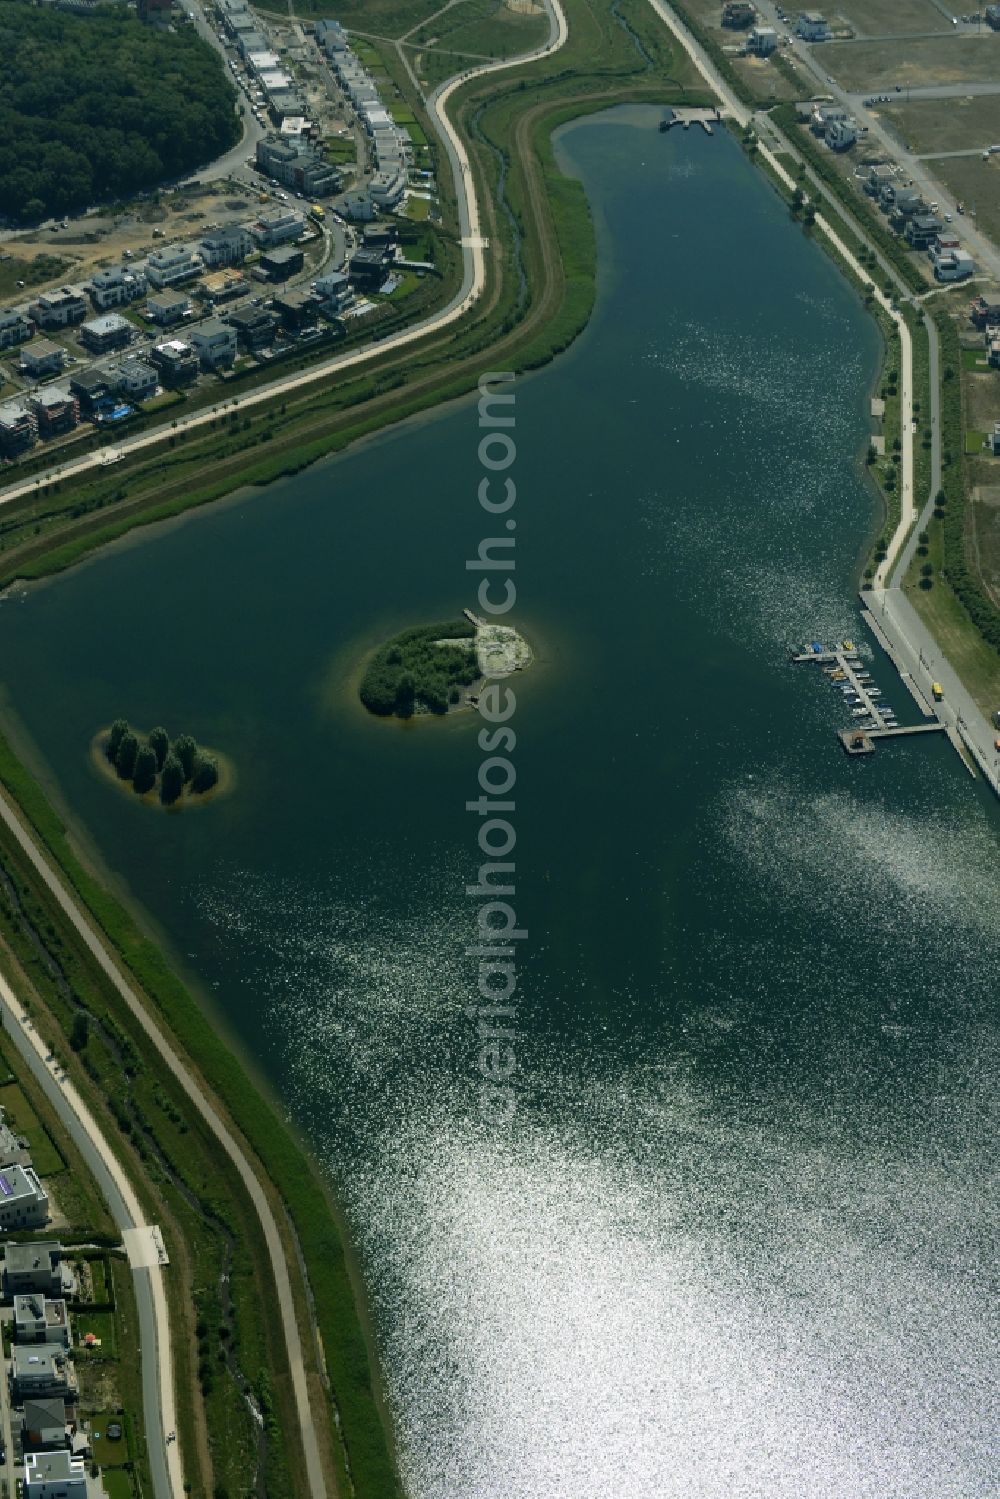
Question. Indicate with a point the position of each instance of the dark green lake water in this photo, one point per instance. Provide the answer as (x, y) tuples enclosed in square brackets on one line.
[(737, 1238)]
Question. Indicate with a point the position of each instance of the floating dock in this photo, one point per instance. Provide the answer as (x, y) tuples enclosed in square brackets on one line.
[(706, 118), (877, 723)]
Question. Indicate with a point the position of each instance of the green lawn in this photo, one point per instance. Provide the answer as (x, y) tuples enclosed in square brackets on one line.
[(117, 1484), (417, 208), (975, 359), (106, 1452), (32, 272), (974, 442), (99, 1278), (102, 1325), (24, 1121)]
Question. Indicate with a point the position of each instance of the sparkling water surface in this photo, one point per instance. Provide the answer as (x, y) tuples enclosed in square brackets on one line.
[(739, 1237)]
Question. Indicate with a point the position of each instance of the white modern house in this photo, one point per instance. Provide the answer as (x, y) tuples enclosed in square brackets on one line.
[(54, 1475)]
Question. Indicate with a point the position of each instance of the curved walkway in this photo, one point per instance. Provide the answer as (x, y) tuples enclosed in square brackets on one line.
[(473, 282), (154, 1326)]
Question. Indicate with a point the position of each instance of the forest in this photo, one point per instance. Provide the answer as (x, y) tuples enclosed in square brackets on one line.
[(95, 108), (414, 672)]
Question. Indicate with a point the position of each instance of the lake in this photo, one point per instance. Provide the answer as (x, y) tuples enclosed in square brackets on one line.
[(735, 1238)]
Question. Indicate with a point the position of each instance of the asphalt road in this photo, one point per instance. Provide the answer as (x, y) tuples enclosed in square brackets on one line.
[(234, 160), (881, 133), (154, 1331)]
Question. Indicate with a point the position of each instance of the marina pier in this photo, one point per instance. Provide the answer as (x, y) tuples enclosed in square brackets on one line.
[(874, 719)]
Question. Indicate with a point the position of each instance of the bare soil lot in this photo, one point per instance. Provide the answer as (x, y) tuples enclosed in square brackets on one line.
[(860, 66), (888, 17), (976, 183), (946, 124)]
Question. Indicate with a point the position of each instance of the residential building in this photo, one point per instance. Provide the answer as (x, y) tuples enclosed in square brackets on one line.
[(387, 189), (166, 308), (176, 361), (116, 287), (56, 411), (251, 42), (358, 206), (42, 358), (59, 309), (984, 312), (762, 41), (332, 37), (282, 263), (992, 16), (812, 26), (221, 286), (90, 386), (104, 334), (43, 1424), (993, 440), (38, 1319), (922, 229), (957, 265), (284, 104), (945, 242), (825, 115), (54, 1475), (379, 236), (368, 268), (263, 61), (40, 1369), (18, 429), (24, 1202), (900, 203), (215, 343), (134, 378), (297, 164), (255, 328), (738, 15), (172, 266), (334, 291), (32, 1267), (878, 178), (225, 246), (297, 308), (841, 135), (277, 228), (15, 328), (993, 348)]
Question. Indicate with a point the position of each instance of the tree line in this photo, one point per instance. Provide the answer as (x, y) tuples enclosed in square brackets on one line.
[(158, 761), (96, 107)]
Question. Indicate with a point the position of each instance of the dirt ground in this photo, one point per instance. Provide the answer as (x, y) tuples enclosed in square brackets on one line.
[(887, 17), (929, 125), (881, 65), (90, 243), (976, 183), (985, 510)]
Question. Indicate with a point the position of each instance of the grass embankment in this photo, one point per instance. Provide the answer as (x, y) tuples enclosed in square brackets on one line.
[(230, 1342), (957, 607), (421, 669)]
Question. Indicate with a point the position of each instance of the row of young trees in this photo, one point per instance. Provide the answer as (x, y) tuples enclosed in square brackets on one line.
[(155, 760)]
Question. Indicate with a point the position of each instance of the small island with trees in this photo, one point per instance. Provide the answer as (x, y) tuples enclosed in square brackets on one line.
[(157, 768), (438, 668)]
